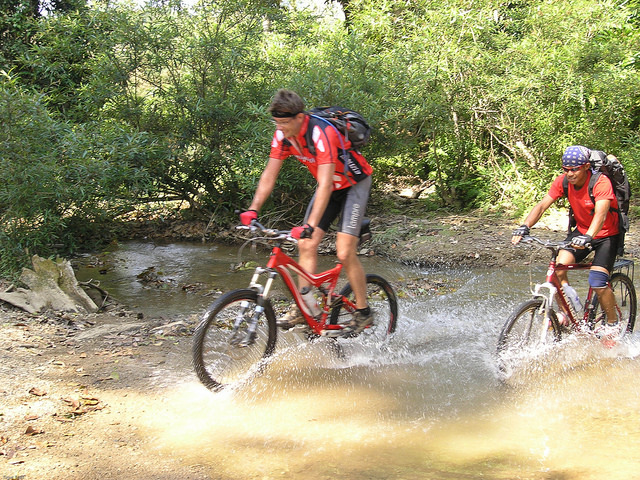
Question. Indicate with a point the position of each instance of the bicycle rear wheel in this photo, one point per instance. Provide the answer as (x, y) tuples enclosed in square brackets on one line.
[(525, 334), (224, 349), (625, 294), (383, 302)]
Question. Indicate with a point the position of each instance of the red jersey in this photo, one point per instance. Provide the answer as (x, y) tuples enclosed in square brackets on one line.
[(328, 145), (583, 207)]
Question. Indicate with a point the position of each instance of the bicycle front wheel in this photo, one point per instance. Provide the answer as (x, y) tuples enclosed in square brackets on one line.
[(383, 302), (233, 339), (526, 333), (626, 301)]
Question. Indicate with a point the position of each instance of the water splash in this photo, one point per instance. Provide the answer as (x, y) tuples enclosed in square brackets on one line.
[(427, 405)]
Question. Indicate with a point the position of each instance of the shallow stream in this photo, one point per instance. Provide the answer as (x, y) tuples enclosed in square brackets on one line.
[(430, 406)]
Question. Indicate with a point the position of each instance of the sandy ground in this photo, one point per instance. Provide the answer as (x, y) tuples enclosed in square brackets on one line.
[(80, 395)]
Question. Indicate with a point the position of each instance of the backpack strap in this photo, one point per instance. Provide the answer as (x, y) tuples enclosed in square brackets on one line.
[(592, 183), (308, 136), (565, 191)]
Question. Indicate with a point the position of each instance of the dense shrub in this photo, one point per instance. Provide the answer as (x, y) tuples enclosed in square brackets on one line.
[(110, 105)]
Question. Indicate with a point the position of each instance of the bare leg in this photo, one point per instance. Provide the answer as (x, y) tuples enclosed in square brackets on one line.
[(565, 257), (346, 248), (308, 253), (607, 299)]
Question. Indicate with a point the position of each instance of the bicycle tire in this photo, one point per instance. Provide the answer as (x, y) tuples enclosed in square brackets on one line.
[(525, 334), (625, 293), (383, 302), (219, 358)]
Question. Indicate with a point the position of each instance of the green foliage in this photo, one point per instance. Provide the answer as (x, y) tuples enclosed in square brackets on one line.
[(112, 104), (61, 184)]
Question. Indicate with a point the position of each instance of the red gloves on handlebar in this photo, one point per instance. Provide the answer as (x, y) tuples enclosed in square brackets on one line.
[(247, 217), (302, 232)]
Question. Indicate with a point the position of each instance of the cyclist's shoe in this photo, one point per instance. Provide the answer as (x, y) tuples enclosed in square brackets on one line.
[(358, 323), (609, 333), (292, 318)]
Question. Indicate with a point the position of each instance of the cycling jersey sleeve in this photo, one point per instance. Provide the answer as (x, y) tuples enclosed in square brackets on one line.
[(280, 148), (556, 191), (603, 190)]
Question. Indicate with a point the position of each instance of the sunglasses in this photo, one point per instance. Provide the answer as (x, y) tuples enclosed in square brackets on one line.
[(281, 122), (572, 169)]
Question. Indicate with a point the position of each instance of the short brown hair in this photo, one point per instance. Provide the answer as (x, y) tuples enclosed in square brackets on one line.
[(286, 103)]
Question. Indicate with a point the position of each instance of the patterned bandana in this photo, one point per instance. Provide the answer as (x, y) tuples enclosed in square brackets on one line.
[(575, 156)]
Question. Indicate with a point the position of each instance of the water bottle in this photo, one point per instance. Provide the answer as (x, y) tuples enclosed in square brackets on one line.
[(573, 297), (310, 301)]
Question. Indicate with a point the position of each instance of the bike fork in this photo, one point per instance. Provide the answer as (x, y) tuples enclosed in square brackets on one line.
[(547, 300), (252, 325)]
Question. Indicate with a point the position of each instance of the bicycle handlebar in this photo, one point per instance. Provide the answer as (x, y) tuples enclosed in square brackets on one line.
[(547, 243), (271, 233)]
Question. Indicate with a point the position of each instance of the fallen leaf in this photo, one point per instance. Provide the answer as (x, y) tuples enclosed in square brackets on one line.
[(31, 417), (61, 419), (37, 392), (75, 403), (33, 431), (87, 400)]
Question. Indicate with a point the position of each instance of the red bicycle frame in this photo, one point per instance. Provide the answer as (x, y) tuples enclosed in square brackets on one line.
[(282, 264), (564, 303)]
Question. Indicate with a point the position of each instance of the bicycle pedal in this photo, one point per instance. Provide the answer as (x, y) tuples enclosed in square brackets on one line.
[(297, 328), (333, 333), (349, 332)]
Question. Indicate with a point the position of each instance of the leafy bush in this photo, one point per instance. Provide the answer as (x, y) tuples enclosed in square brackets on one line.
[(113, 104), (59, 185)]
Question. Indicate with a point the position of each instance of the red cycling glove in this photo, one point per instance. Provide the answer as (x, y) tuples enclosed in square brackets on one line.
[(247, 217), (302, 232)]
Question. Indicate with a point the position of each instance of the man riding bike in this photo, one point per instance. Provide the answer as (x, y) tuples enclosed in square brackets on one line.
[(596, 228), (340, 191)]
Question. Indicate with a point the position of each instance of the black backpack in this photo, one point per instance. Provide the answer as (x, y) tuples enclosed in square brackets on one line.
[(349, 123), (601, 163)]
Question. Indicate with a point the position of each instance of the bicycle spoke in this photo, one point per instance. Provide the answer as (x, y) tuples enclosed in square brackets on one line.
[(233, 338), (526, 334)]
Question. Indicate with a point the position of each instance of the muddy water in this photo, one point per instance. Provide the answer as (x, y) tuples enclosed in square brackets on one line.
[(428, 406)]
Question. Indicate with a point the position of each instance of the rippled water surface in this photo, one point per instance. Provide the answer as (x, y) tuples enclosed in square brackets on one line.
[(427, 406)]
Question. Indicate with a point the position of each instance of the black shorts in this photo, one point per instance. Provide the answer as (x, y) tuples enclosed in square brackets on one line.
[(605, 250), (350, 203)]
